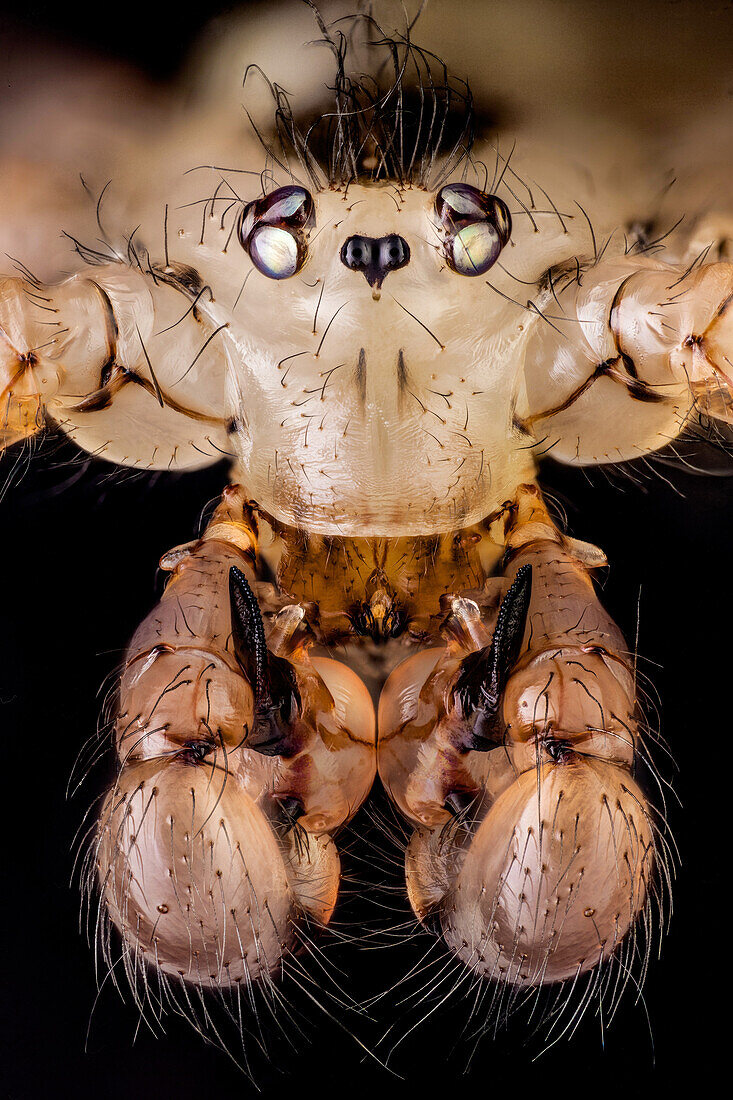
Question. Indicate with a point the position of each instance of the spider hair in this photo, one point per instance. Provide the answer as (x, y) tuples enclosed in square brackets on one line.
[(406, 120)]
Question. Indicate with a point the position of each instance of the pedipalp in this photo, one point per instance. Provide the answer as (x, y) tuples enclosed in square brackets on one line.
[(236, 764), (557, 829)]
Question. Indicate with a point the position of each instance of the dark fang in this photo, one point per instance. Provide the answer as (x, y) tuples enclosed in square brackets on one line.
[(484, 674), (458, 802), (276, 695)]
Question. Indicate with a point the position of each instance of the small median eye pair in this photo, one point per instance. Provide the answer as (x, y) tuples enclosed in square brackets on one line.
[(273, 230), (476, 227)]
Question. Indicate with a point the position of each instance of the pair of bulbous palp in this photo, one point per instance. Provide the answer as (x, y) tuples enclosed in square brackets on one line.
[(509, 748)]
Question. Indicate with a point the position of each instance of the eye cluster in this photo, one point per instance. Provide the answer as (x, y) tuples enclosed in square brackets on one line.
[(475, 227), (274, 231)]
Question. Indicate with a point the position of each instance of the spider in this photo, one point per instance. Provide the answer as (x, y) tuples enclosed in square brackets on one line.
[(382, 333)]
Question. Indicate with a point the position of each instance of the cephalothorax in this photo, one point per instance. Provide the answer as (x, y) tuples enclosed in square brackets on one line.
[(351, 334)]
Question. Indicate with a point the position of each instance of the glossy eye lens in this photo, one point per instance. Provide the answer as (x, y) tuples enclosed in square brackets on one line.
[(357, 252), (274, 252), (475, 248), (394, 251), (462, 200), (288, 204)]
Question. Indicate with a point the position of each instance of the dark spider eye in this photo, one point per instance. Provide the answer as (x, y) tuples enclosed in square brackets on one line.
[(288, 204), (462, 201), (394, 252), (357, 251), (476, 227), (273, 230)]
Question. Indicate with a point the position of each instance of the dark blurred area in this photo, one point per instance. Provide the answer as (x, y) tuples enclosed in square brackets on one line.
[(78, 555), (152, 37)]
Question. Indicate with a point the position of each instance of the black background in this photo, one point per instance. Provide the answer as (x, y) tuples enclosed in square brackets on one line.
[(78, 554)]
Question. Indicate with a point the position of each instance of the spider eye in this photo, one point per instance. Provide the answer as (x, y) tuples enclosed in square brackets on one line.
[(474, 249), (273, 230), (462, 201), (274, 252), (288, 204), (475, 225)]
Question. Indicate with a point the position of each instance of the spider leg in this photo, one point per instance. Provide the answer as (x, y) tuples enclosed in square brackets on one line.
[(127, 363), (238, 757), (636, 349)]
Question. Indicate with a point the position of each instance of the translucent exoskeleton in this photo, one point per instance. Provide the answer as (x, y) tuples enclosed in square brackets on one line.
[(382, 325)]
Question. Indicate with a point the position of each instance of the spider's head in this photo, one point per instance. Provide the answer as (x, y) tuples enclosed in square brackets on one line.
[(366, 318), (376, 334)]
